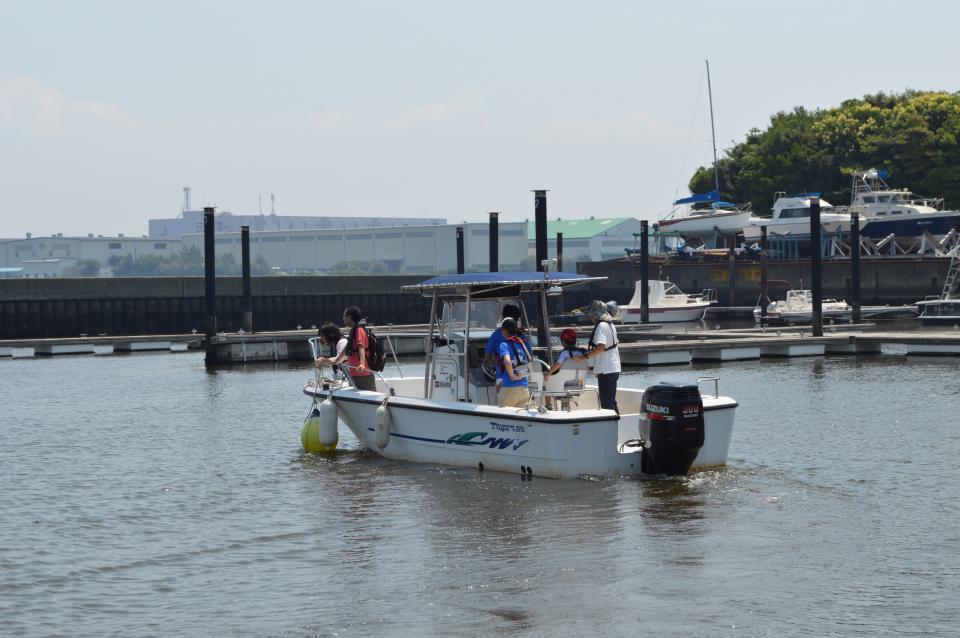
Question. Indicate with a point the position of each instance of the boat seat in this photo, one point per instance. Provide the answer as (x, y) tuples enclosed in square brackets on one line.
[(563, 390)]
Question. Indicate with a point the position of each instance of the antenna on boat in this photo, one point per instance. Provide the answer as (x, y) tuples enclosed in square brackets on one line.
[(713, 132)]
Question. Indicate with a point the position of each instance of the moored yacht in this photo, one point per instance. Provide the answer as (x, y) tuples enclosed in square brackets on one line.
[(666, 303), (798, 308), (888, 211), (791, 219), (449, 415)]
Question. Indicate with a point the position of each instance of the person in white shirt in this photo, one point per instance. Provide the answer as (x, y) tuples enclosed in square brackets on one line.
[(335, 344), (603, 353)]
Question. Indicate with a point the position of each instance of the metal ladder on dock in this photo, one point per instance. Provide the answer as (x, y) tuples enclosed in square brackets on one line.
[(953, 271)]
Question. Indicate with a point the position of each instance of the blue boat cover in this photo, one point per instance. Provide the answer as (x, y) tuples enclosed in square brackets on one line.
[(485, 279), (712, 196)]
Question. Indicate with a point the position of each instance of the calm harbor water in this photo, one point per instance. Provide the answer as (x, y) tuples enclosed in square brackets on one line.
[(144, 495)]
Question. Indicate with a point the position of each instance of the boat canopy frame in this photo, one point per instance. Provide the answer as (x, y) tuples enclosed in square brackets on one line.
[(490, 286)]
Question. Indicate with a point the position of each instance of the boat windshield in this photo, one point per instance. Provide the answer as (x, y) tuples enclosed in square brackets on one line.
[(484, 316), (671, 289)]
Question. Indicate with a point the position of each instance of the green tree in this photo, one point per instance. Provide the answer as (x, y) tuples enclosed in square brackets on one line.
[(915, 135), (83, 268)]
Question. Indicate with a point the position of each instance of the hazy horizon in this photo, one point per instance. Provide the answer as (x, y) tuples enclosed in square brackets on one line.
[(433, 109)]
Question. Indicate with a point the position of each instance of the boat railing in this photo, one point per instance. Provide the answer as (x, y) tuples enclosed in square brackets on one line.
[(314, 343), (716, 384)]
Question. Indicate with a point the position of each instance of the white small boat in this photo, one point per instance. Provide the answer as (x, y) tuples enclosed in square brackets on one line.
[(939, 311), (666, 303), (798, 308), (449, 415), (791, 219)]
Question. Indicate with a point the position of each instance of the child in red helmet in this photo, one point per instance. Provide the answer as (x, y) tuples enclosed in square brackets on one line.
[(570, 350)]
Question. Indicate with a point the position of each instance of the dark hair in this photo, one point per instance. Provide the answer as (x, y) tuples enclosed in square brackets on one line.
[(511, 326), (512, 311), (331, 332), (354, 313)]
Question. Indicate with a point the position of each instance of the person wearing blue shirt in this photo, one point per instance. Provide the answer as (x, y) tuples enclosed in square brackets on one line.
[(515, 358), (492, 351)]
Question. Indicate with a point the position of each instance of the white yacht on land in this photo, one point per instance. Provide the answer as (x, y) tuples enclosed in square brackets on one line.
[(449, 416), (666, 303), (721, 218), (798, 308), (888, 211), (791, 219)]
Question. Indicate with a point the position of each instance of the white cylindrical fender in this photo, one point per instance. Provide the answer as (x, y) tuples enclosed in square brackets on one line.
[(329, 417), (381, 426)]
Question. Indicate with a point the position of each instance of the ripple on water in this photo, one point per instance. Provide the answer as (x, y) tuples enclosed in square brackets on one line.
[(150, 496)]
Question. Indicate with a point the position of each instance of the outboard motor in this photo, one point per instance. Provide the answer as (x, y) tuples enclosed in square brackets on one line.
[(671, 427)]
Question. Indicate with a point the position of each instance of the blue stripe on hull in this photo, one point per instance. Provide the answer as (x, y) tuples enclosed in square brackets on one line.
[(879, 228)]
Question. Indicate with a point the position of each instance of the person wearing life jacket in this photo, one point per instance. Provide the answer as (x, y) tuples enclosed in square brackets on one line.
[(603, 353), (570, 350), (516, 360)]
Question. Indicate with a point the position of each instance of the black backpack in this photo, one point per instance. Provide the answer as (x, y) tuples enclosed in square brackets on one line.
[(376, 353)]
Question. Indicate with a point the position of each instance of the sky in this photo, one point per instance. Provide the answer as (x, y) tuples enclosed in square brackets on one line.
[(419, 108)]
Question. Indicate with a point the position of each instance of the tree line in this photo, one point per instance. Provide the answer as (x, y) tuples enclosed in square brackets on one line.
[(914, 135)]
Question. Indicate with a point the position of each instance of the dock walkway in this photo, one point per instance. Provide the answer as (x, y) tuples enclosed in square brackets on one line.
[(638, 347)]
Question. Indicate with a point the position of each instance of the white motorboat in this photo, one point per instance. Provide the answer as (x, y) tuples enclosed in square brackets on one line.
[(888, 211), (798, 308), (449, 415), (666, 303), (791, 219)]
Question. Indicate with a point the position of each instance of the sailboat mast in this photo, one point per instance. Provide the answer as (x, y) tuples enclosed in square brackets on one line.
[(713, 132)]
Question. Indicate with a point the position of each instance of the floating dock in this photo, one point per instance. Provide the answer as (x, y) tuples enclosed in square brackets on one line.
[(639, 347)]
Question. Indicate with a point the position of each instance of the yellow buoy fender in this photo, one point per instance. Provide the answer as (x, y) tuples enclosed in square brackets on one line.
[(312, 435), (381, 426)]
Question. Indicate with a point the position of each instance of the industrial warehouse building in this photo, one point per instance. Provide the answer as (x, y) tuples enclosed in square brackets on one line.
[(385, 245), (593, 239), (50, 256), (190, 222), (402, 249)]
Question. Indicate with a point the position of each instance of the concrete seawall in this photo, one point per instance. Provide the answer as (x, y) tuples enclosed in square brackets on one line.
[(45, 308), (37, 308)]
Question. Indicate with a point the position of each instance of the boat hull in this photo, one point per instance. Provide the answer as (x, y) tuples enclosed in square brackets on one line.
[(907, 225), (551, 444), (666, 314), (705, 226), (794, 229)]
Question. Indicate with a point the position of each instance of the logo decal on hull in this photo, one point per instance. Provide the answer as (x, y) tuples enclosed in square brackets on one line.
[(481, 439), (505, 427)]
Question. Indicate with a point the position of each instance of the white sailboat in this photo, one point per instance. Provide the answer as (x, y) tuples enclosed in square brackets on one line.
[(449, 415), (719, 218)]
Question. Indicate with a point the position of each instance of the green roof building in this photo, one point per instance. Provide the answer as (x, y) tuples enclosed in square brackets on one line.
[(588, 239)]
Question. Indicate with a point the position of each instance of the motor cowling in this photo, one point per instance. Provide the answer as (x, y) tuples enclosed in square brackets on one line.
[(671, 427)]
